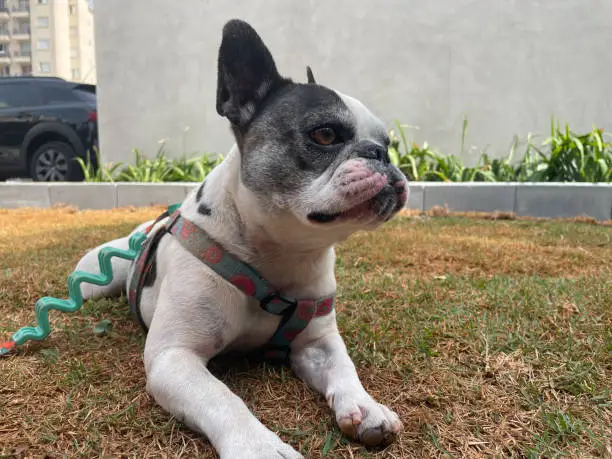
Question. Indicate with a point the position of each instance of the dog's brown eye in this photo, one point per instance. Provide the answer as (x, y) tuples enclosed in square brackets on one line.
[(323, 136)]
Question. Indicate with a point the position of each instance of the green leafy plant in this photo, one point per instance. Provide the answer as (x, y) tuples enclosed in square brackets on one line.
[(145, 169), (160, 168), (93, 173), (530, 165), (568, 157), (562, 157), (411, 159), (193, 169), (421, 163)]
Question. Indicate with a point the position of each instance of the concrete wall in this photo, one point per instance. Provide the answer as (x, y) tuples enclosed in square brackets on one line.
[(508, 65)]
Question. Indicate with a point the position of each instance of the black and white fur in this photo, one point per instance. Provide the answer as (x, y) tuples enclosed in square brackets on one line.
[(279, 201)]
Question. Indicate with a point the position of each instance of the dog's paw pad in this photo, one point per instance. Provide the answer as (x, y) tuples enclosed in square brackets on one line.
[(372, 437), (380, 435), (348, 424), (366, 421)]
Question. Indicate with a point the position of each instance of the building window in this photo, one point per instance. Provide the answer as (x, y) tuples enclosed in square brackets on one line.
[(3, 49), (26, 70), (43, 22), (45, 67), (76, 74), (4, 71), (25, 49), (72, 9), (43, 44), (22, 28), (43, 2), (24, 5)]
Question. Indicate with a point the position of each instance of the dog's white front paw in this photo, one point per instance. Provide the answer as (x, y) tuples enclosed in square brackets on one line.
[(258, 444), (365, 420)]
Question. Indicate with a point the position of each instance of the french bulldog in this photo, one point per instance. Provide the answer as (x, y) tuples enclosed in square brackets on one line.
[(309, 168)]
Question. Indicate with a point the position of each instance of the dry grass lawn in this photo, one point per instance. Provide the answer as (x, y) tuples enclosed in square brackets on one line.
[(489, 338)]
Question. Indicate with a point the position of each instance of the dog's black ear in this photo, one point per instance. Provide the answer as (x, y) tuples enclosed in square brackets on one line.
[(246, 73), (311, 79)]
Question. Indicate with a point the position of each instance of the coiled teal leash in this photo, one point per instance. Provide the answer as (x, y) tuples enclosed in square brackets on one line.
[(75, 298)]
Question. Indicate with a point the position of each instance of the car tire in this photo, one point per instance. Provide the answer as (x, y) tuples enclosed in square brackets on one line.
[(55, 162)]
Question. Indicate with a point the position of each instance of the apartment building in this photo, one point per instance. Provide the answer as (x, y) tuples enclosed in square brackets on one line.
[(47, 38)]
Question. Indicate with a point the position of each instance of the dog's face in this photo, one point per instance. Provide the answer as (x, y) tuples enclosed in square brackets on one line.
[(305, 149)]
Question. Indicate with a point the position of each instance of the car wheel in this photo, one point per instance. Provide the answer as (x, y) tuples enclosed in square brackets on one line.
[(55, 162)]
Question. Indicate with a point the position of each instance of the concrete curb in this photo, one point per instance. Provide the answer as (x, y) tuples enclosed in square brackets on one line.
[(552, 200)]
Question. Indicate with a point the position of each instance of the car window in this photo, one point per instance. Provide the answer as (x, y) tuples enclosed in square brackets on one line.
[(86, 93), (57, 94), (19, 95), (91, 88)]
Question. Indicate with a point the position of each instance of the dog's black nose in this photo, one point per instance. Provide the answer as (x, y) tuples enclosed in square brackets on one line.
[(372, 150)]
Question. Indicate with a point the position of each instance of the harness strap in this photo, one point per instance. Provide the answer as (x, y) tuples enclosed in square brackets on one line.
[(235, 271), (143, 264), (142, 270), (296, 314)]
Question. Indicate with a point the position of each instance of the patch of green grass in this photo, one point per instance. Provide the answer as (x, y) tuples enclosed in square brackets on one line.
[(560, 429)]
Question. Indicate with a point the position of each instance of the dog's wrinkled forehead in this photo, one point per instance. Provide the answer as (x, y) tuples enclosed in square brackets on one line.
[(368, 126), (306, 104), (302, 107)]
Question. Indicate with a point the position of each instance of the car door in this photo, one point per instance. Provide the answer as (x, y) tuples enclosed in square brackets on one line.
[(19, 106)]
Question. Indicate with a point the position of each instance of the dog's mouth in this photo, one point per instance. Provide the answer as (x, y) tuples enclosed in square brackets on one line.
[(320, 217), (354, 213), (382, 206)]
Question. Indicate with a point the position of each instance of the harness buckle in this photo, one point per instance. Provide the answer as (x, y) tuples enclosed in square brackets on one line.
[(277, 304)]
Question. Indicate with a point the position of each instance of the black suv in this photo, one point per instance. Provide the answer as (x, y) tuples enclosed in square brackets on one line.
[(45, 123)]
